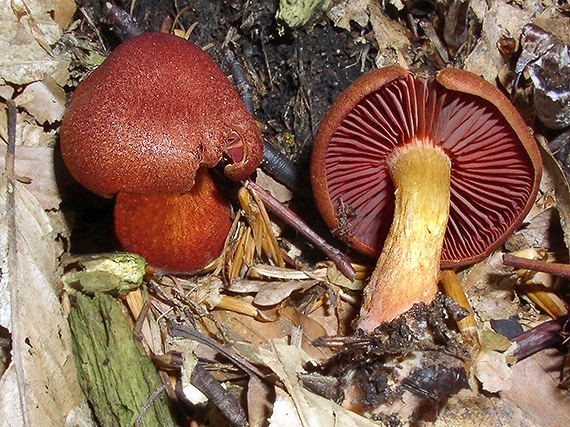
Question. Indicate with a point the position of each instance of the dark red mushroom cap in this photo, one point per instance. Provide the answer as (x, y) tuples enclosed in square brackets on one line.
[(495, 161), (151, 114)]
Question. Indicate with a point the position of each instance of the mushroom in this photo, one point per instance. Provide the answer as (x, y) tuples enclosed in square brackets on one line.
[(449, 163), (155, 112)]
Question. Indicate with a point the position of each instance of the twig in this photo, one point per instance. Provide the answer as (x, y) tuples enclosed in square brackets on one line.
[(558, 269), (121, 20), (219, 396), (341, 260), (93, 27), (185, 332), (153, 396), (545, 335), (274, 163)]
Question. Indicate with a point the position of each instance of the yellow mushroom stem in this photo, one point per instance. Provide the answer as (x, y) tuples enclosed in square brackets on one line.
[(408, 268)]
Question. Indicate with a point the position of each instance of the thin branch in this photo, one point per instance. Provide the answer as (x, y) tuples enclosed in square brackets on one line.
[(185, 332), (341, 260), (545, 335), (555, 268)]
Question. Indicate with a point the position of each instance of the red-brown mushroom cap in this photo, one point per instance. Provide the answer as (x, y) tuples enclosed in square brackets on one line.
[(151, 114), (495, 162)]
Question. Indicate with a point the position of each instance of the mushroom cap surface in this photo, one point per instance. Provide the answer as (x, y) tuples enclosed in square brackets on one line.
[(151, 114), (495, 161)]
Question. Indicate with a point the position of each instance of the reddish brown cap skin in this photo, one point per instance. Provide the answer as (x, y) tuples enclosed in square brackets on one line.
[(458, 85), (150, 115), (175, 233)]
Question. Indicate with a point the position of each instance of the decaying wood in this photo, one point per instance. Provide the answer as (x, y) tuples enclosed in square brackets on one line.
[(115, 372)]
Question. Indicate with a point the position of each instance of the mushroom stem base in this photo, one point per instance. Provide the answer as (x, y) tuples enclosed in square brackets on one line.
[(408, 268)]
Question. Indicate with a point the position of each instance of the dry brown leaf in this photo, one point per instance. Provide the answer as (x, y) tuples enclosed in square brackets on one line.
[(45, 100), (502, 19), (63, 11), (312, 410), (36, 164), (535, 390), (27, 33), (40, 386), (269, 293), (259, 398), (490, 288), (277, 190), (554, 178)]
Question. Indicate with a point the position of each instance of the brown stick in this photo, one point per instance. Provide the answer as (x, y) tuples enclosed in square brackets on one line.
[(341, 260), (558, 269), (545, 335)]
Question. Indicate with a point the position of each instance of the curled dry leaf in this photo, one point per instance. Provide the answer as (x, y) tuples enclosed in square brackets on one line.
[(41, 376), (394, 45), (501, 19), (270, 293)]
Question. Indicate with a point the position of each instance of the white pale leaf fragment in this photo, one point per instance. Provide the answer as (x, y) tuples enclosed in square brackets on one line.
[(284, 413), (45, 100), (41, 377), (492, 370)]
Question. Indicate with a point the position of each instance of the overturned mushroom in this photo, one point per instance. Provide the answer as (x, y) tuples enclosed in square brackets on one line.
[(448, 163), (155, 112)]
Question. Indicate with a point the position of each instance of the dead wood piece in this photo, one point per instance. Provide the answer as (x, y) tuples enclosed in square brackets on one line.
[(118, 378)]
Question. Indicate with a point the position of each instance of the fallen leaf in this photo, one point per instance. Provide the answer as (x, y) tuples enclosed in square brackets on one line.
[(393, 44), (40, 386), (312, 410), (493, 372), (500, 19), (45, 100), (535, 390), (36, 164), (25, 42)]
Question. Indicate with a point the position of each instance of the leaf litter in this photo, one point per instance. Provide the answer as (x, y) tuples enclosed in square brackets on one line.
[(263, 302)]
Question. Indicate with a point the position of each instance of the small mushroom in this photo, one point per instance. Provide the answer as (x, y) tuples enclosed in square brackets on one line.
[(156, 111), (422, 174)]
